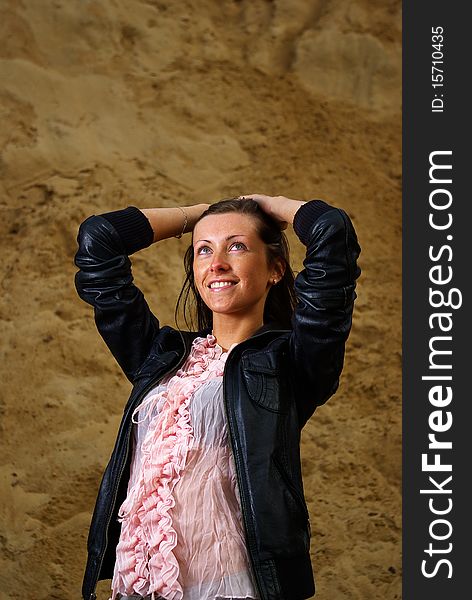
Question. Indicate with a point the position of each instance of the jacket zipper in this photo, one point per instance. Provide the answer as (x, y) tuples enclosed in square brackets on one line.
[(115, 491), (237, 460), (238, 463)]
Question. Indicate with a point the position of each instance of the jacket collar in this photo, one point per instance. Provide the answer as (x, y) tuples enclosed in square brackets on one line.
[(272, 326), (189, 336)]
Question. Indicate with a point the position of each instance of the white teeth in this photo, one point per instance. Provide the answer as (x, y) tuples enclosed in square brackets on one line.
[(219, 284)]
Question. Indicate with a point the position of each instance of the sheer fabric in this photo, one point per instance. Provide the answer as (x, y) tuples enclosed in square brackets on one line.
[(181, 532)]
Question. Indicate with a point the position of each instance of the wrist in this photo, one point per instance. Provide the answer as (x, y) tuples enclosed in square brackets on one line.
[(192, 214), (289, 207)]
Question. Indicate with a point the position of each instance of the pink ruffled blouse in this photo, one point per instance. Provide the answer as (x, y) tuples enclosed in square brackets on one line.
[(181, 523)]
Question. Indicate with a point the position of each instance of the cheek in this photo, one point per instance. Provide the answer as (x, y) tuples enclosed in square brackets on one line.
[(257, 272), (255, 280), (198, 278), (198, 285)]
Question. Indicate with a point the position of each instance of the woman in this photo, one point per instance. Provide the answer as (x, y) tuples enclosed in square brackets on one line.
[(203, 496)]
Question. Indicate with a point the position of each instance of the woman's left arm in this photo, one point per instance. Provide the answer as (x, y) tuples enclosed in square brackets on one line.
[(325, 290)]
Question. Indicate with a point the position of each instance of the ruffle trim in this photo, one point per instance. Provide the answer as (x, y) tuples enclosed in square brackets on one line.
[(146, 564)]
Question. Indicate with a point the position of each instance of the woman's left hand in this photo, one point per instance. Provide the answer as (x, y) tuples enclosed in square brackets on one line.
[(281, 208)]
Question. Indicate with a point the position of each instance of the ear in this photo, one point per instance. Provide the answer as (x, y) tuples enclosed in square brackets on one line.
[(278, 269)]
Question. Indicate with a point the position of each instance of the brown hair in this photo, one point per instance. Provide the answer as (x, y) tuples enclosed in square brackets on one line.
[(281, 299)]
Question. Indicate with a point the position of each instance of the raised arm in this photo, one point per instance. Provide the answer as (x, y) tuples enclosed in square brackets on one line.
[(105, 279), (325, 290)]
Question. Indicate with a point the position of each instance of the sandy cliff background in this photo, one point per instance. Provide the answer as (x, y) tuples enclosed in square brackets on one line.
[(159, 103)]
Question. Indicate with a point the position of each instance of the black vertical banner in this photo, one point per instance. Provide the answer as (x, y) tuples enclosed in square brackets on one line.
[(437, 330)]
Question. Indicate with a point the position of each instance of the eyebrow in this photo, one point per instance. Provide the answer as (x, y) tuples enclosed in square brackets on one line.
[(230, 237)]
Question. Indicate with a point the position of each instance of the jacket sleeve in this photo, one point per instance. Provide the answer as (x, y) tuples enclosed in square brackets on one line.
[(105, 281), (325, 291)]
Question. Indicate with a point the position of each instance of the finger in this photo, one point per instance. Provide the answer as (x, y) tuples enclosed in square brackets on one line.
[(249, 197)]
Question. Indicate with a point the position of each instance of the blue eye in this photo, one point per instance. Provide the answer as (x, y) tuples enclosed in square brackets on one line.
[(238, 244), (199, 251)]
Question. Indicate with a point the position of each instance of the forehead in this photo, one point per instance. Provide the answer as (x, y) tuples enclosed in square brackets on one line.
[(223, 225)]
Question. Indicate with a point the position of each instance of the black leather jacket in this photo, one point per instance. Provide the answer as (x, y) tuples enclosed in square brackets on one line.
[(273, 382)]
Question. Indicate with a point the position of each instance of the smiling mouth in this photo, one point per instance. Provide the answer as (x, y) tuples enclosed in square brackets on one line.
[(221, 285)]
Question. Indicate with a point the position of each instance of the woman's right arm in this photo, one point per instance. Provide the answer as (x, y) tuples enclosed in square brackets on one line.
[(105, 280)]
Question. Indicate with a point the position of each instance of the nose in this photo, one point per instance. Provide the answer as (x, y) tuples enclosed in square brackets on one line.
[(219, 262)]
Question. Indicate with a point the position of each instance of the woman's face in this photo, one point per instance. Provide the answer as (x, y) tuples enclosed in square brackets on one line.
[(230, 264)]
